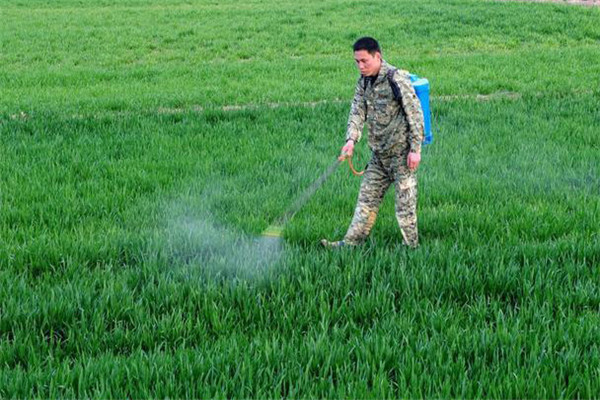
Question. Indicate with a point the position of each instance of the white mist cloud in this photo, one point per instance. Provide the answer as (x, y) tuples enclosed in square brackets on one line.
[(200, 247)]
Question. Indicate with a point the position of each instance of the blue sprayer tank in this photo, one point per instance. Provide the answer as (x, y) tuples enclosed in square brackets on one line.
[(421, 86)]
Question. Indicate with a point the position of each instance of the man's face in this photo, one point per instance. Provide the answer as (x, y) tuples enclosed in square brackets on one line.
[(367, 64)]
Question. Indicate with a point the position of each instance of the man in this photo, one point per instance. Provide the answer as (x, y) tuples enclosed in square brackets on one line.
[(395, 133)]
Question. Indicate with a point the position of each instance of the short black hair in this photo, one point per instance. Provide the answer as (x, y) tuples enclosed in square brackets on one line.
[(367, 43)]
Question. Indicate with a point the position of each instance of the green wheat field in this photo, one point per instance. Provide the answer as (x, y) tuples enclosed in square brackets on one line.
[(146, 144)]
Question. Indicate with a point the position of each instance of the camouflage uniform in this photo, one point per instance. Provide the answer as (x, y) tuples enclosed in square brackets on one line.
[(394, 130)]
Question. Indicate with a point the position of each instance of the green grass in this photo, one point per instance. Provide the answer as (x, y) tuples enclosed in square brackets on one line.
[(132, 203), (173, 53)]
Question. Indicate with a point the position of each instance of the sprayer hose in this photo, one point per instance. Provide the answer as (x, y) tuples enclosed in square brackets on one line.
[(354, 171)]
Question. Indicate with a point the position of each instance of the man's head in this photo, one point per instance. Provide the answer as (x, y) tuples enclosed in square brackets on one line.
[(367, 55)]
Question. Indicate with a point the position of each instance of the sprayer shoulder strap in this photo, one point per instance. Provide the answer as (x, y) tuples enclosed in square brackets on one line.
[(394, 85)]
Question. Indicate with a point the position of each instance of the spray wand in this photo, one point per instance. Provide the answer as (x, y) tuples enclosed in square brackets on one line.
[(275, 230)]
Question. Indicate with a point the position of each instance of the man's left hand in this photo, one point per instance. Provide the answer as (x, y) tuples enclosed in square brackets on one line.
[(413, 161)]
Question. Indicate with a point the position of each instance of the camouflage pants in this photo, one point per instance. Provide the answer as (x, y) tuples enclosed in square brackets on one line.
[(381, 172)]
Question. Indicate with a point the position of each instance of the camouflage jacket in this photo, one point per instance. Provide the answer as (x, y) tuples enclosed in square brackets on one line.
[(390, 126)]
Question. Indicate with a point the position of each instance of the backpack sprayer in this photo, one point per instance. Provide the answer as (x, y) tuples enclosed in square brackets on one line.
[(421, 85)]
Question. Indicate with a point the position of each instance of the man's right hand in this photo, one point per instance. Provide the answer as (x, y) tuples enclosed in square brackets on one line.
[(347, 150)]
